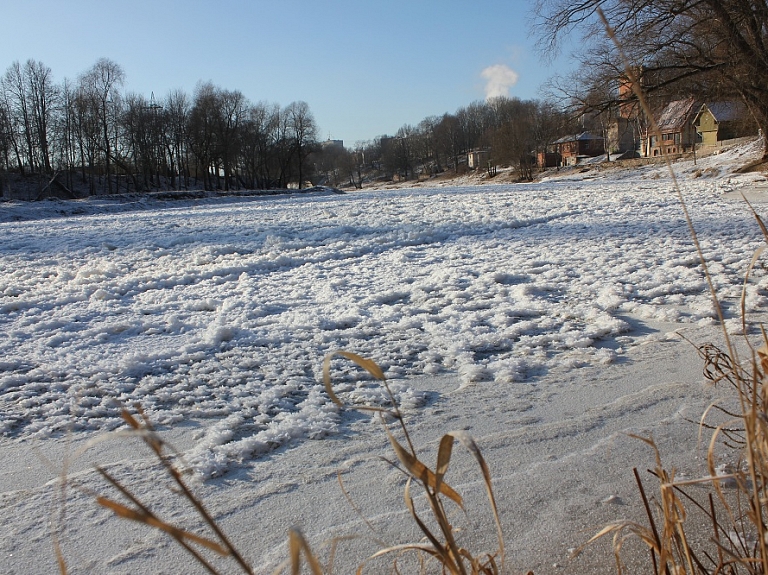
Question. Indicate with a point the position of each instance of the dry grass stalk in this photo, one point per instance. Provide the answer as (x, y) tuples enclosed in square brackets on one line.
[(143, 514), (740, 535), (739, 531), (440, 545)]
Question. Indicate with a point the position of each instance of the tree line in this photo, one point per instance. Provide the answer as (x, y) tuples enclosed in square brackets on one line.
[(512, 130), (89, 132)]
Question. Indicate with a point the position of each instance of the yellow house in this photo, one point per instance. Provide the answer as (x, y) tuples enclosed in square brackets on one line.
[(721, 121), (706, 125)]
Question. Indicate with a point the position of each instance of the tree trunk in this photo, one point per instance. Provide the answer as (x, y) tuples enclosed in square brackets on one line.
[(759, 110)]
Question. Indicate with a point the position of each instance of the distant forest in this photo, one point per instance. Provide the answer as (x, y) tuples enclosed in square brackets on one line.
[(88, 137)]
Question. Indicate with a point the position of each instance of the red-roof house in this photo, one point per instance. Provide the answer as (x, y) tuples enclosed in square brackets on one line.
[(568, 150)]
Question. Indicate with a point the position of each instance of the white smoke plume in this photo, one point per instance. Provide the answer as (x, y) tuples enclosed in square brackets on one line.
[(498, 80)]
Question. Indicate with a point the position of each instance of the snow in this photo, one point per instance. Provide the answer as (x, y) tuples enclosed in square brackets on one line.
[(218, 311)]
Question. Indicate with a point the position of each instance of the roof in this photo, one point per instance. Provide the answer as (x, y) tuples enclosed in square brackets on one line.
[(723, 111), (676, 114), (584, 136)]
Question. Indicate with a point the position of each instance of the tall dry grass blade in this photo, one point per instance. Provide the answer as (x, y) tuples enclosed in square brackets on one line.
[(371, 367), (367, 364), (147, 433), (449, 554), (441, 551), (60, 562), (419, 547), (334, 547), (468, 441), (296, 544), (146, 511), (443, 459), (743, 300), (357, 509), (755, 257), (151, 520), (637, 89), (651, 522), (617, 529), (760, 222), (421, 472), (716, 531), (129, 419)]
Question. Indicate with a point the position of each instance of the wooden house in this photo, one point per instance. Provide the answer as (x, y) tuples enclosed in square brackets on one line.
[(719, 121), (678, 134), (570, 149)]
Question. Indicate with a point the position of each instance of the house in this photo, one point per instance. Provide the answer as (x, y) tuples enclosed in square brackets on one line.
[(336, 144), (719, 121), (570, 149), (547, 159), (478, 159), (678, 134)]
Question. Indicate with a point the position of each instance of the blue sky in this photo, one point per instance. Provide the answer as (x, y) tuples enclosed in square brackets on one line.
[(365, 68)]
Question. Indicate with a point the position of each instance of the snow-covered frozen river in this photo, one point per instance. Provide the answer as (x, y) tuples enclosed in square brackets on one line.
[(222, 309)]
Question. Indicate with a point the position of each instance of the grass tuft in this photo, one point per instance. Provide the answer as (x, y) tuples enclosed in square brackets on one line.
[(218, 542), (438, 548), (440, 544), (738, 541)]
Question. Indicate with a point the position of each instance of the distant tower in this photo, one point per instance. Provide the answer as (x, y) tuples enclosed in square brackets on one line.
[(629, 107), (153, 105)]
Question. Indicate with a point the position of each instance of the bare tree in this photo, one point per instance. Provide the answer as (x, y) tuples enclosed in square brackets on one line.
[(399, 152), (10, 132), (257, 148), (232, 107), (141, 140), (303, 132), (42, 94), (428, 129), (17, 104), (100, 87), (703, 46), (356, 165), (177, 110), (450, 138), (65, 132), (202, 131)]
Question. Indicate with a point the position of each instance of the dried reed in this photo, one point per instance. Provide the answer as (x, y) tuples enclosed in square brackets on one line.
[(739, 534), (439, 546)]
